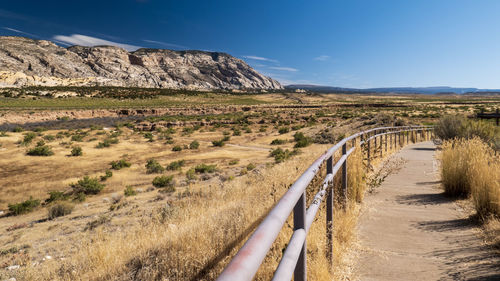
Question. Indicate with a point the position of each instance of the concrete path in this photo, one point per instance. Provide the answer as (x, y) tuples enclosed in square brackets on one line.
[(409, 231)]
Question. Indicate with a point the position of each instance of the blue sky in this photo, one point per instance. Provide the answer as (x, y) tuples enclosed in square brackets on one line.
[(346, 43)]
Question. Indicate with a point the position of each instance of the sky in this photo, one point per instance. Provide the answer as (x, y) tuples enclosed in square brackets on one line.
[(343, 43)]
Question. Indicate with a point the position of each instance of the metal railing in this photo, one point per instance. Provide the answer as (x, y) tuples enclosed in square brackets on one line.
[(247, 261)]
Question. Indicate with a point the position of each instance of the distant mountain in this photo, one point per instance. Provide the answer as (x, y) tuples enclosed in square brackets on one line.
[(28, 62), (395, 90)]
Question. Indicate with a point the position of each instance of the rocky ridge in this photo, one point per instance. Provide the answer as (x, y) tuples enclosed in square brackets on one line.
[(28, 62)]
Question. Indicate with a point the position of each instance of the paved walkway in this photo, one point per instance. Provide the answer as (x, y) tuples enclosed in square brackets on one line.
[(409, 231)]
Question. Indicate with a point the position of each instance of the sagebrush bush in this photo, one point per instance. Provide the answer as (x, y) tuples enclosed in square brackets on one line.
[(87, 186), (60, 209), (153, 167), (24, 207), (218, 143), (120, 164), (129, 191), (281, 155), (194, 145), (283, 130), (76, 151), (301, 140), (451, 127), (40, 150), (203, 168), (177, 148), (278, 142), (164, 182), (175, 165), (56, 196)]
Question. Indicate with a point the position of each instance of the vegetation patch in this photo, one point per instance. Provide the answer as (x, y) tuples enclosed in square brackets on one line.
[(24, 207), (87, 186)]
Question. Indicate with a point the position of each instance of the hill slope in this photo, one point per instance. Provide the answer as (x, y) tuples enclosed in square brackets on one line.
[(28, 62)]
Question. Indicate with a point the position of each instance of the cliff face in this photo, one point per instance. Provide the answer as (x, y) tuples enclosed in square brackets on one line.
[(27, 62)]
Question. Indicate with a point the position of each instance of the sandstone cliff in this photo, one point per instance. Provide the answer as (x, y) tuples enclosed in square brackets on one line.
[(27, 62)]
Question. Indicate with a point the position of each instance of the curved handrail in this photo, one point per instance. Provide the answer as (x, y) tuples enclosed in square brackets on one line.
[(247, 261)]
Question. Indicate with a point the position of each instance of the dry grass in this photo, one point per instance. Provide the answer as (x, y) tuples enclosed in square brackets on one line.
[(470, 167)]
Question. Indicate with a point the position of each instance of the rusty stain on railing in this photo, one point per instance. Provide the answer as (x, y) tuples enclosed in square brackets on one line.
[(247, 261)]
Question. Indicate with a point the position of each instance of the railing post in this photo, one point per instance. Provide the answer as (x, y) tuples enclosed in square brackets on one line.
[(390, 140), (386, 143), (374, 146), (329, 213), (381, 146), (344, 175), (299, 221), (368, 150)]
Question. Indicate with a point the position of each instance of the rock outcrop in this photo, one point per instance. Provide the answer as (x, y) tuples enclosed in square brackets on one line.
[(28, 62)]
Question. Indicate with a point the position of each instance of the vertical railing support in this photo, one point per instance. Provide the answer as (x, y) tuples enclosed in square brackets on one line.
[(368, 150), (381, 147), (385, 143), (374, 146), (344, 175), (299, 221), (329, 213)]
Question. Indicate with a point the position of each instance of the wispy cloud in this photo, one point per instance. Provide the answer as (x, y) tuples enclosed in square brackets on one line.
[(169, 45), (322, 58), (260, 58), (282, 68), (84, 40), (19, 31)]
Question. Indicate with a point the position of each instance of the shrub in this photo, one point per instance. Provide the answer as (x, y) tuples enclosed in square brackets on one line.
[(281, 155), (278, 142), (153, 167), (283, 130), (149, 136), (120, 164), (176, 165), (449, 127), (76, 151), (77, 137), (251, 166), (49, 137), (129, 191), (87, 186), (177, 148), (107, 142), (60, 209), (218, 143), (164, 181), (24, 207), (107, 175), (190, 174), (40, 150), (79, 197), (56, 196), (28, 138), (194, 145), (301, 140), (234, 162), (203, 168), (236, 132)]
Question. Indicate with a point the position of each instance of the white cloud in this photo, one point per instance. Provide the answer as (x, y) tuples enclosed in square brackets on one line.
[(291, 69), (169, 45), (84, 40), (18, 31), (260, 58), (322, 58)]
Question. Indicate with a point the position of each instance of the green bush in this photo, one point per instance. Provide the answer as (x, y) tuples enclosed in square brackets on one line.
[(77, 138), (234, 162), (49, 137), (449, 127), (60, 209), (218, 143), (281, 155), (149, 136), (120, 164), (129, 191), (24, 207), (177, 148), (194, 145), (107, 175), (28, 138), (176, 165), (301, 140), (250, 167), (278, 142), (87, 186), (203, 168), (76, 151), (164, 182), (283, 130), (40, 150), (191, 174), (107, 142), (153, 167), (56, 196)]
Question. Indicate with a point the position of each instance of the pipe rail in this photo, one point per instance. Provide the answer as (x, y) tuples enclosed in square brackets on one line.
[(247, 261)]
